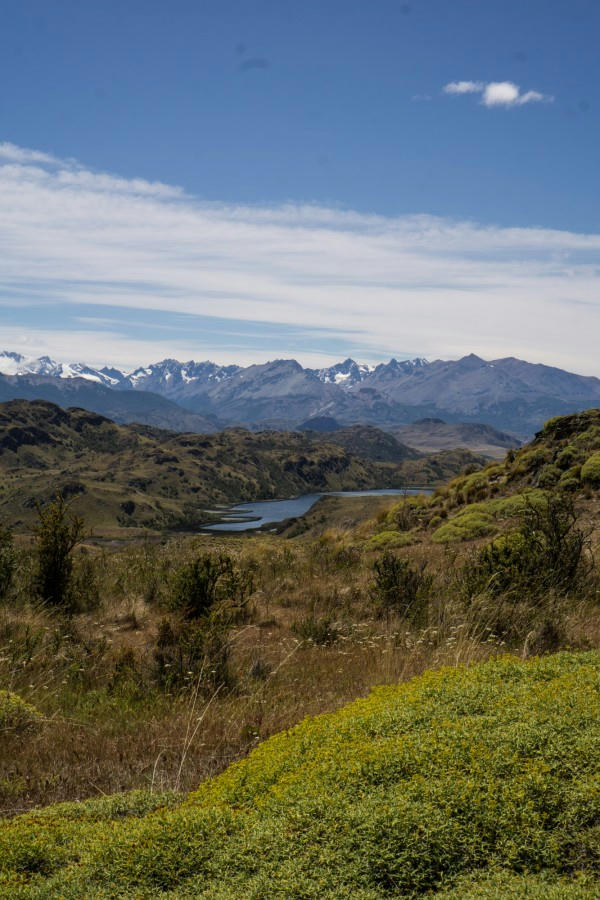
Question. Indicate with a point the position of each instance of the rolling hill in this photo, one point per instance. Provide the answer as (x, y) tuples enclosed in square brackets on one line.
[(139, 476)]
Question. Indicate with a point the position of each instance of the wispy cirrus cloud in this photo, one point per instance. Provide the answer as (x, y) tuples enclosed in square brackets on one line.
[(126, 270), (13, 153), (497, 93)]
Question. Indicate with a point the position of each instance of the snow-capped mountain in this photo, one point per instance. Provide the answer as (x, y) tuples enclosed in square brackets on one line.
[(16, 364), (174, 379), (344, 373), (509, 393)]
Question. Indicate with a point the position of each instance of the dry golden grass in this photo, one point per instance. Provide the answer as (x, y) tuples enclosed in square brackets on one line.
[(110, 725)]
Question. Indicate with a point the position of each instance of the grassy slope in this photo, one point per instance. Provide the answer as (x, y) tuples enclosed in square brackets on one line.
[(563, 458), (133, 476), (472, 782)]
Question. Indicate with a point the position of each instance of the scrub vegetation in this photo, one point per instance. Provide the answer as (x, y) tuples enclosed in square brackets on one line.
[(149, 736)]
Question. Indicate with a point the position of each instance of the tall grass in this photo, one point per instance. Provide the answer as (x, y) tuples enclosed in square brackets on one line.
[(314, 635)]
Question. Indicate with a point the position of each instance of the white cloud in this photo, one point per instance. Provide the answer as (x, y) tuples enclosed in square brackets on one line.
[(101, 182), (497, 93), (23, 155), (500, 93), (422, 284), (506, 93), (463, 87), (534, 97)]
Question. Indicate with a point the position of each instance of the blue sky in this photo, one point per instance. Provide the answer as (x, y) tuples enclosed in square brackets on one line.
[(243, 180)]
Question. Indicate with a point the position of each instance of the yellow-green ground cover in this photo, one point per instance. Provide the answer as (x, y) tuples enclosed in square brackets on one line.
[(465, 782)]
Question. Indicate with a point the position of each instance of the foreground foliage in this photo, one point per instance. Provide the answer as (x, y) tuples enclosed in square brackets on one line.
[(488, 774)]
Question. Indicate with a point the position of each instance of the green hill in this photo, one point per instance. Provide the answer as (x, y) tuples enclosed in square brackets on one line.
[(127, 476), (479, 782), (562, 461)]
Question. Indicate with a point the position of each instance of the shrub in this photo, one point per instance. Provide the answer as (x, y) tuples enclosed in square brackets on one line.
[(571, 474), (590, 470), (57, 534), (16, 714), (547, 553), (532, 459), (475, 487), (208, 580), (569, 483), (196, 654), (390, 539), (398, 587), (548, 476), (317, 631), (7, 560), (568, 457), (405, 515), (464, 527), (85, 589)]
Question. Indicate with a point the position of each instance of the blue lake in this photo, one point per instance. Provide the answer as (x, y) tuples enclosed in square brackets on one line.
[(268, 512)]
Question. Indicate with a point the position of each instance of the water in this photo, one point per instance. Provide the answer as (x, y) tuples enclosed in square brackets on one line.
[(267, 512)]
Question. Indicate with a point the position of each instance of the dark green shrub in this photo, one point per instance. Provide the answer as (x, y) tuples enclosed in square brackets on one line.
[(194, 654), (85, 590), (548, 476), (7, 560), (398, 587), (548, 552), (209, 580), (568, 457), (57, 534), (570, 484)]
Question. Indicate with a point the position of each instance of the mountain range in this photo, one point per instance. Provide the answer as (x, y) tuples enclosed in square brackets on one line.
[(509, 394)]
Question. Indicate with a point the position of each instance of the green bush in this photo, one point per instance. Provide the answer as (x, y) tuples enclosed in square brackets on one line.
[(208, 580), (549, 476), (466, 526), (570, 484), (531, 459), (195, 655), (547, 553), (479, 519), (475, 487), (16, 714), (398, 587), (7, 560), (568, 456), (57, 534), (391, 540), (572, 474), (590, 470), (405, 515)]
